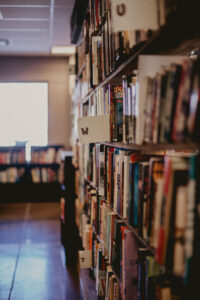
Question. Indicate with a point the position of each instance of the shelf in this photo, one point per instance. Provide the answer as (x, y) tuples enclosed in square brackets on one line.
[(175, 37), (12, 165), (115, 76), (142, 241), (90, 183), (40, 148), (11, 148), (134, 231), (52, 166), (139, 238), (29, 165), (30, 183), (156, 148), (81, 71)]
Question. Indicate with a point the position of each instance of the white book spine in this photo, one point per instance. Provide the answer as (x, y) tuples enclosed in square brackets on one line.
[(126, 186)]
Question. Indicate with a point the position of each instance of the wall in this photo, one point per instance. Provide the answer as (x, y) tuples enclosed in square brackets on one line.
[(53, 70)]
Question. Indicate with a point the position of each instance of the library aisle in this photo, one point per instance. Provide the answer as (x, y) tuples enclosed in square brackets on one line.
[(31, 262)]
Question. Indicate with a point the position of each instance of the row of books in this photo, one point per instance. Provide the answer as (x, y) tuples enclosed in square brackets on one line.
[(172, 104), (45, 156), (158, 197), (121, 267), (37, 175), (12, 157), (112, 28), (165, 111), (11, 175), (44, 175)]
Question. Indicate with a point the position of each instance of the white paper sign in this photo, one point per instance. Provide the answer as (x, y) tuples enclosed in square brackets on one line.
[(85, 259), (94, 129), (134, 15)]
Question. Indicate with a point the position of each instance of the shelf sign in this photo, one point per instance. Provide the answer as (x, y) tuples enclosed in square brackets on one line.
[(94, 129), (85, 259), (122, 15)]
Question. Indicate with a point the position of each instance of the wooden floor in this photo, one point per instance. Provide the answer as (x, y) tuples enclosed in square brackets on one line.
[(32, 263)]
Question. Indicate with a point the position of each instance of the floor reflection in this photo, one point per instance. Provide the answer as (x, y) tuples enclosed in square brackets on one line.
[(30, 243)]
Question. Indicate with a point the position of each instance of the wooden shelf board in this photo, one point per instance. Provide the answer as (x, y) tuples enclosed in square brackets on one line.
[(156, 148), (30, 165)]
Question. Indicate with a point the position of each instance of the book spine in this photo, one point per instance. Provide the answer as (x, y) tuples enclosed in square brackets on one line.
[(118, 113), (136, 195), (130, 266)]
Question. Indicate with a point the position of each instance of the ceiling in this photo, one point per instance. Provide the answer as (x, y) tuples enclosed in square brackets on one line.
[(32, 27)]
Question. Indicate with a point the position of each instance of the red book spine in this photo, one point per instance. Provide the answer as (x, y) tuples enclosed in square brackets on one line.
[(161, 239)]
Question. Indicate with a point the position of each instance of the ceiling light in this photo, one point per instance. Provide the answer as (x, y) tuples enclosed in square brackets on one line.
[(66, 50), (4, 42)]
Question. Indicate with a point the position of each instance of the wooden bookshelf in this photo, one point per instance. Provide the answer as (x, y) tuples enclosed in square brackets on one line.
[(31, 192), (19, 178), (158, 43), (176, 37)]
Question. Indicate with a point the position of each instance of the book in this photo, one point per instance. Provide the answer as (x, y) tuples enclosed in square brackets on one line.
[(172, 165), (129, 265), (155, 173), (126, 194), (117, 94)]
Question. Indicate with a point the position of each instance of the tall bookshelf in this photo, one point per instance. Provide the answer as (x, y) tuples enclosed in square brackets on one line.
[(136, 149)]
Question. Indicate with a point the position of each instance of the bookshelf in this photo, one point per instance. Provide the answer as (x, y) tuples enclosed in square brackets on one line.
[(172, 38), (39, 178), (134, 186)]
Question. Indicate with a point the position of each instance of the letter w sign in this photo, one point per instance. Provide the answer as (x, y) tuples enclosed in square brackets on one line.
[(84, 131)]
